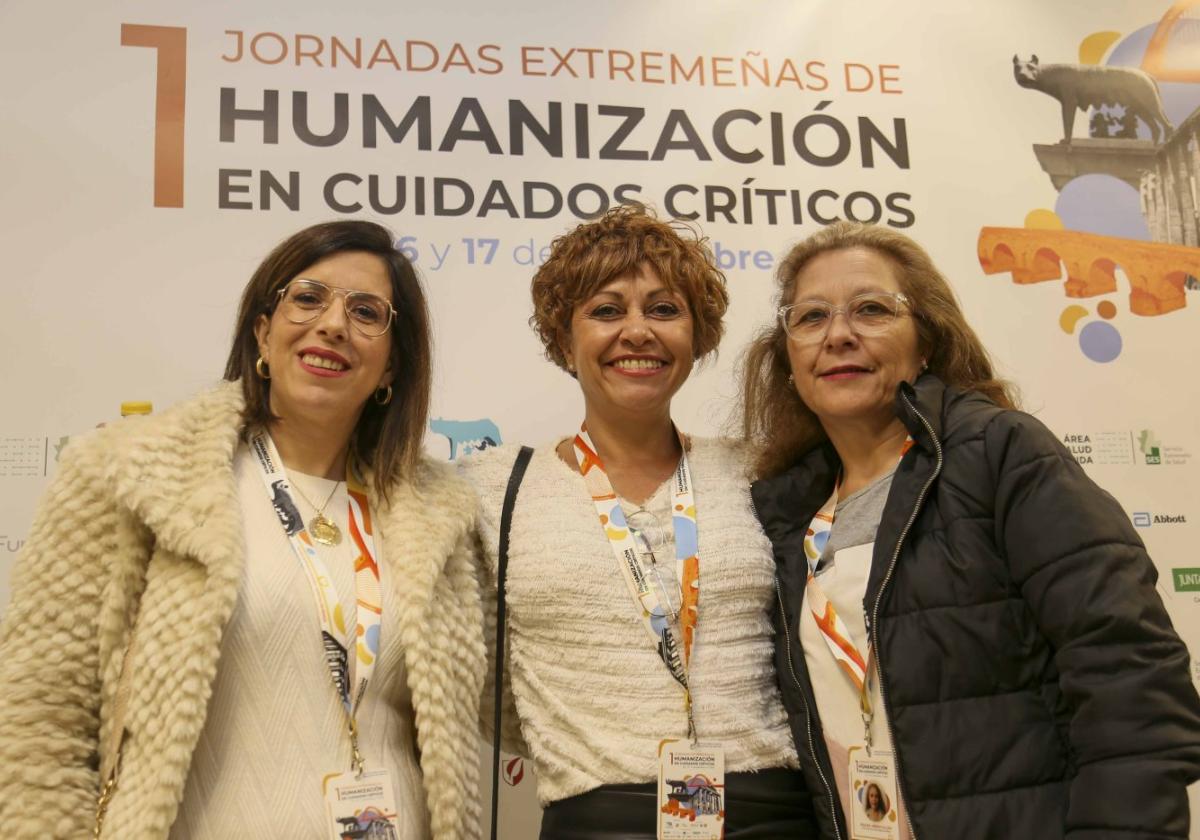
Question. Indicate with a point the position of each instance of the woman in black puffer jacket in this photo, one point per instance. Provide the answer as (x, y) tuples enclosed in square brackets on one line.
[(966, 621)]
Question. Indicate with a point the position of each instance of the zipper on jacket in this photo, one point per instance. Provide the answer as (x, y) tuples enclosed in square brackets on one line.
[(937, 445), (835, 804)]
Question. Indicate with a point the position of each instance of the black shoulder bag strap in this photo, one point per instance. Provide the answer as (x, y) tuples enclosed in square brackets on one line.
[(510, 500)]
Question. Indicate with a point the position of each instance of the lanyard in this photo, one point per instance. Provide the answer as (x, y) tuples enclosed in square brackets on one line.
[(367, 591), (837, 636), (674, 645)]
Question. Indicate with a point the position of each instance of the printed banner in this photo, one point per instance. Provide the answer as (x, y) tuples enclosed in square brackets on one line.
[(1045, 154)]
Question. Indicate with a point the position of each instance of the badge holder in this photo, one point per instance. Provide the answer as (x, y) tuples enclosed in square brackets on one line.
[(360, 806), (873, 814), (691, 791)]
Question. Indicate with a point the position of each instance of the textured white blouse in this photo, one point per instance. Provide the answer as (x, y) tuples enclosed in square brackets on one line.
[(593, 697)]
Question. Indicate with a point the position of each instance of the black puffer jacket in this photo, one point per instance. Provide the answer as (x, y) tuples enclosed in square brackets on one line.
[(1033, 682)]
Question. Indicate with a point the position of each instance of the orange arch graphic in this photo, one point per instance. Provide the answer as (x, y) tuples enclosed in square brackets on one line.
[(1154, 61)]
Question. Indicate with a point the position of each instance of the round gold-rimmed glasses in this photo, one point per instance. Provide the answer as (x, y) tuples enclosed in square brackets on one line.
[(868, 314), (303, 300), (651, 539)]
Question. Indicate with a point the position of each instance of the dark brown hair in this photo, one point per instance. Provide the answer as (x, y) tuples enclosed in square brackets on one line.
[(617, 244), (388, 437), (774, 418)]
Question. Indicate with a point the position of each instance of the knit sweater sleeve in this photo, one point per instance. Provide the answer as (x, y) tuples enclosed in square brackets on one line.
[(49, 655), (489, 472)]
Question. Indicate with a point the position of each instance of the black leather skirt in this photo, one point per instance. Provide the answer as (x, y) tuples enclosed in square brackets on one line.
[(766, 805)]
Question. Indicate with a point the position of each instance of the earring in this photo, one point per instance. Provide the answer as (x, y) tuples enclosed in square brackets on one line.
[(387, 395), (791, 379), (924, 365), (570, 366), (260, 367)]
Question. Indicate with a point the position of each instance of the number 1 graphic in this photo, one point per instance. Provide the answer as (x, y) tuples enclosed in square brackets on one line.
[(169, 94)]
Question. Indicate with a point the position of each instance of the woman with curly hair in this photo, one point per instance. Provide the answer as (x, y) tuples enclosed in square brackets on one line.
[(639, 586)]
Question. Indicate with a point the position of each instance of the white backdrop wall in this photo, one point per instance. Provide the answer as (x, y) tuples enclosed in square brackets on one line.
[(124, 259)]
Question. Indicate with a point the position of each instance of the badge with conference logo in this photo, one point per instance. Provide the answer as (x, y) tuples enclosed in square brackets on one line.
[(360, 806), (872, 795), (691, 791)]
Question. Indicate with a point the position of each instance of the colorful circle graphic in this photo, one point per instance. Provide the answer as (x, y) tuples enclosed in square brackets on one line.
[(1106, 309), (1100, 341), (1070, 317)]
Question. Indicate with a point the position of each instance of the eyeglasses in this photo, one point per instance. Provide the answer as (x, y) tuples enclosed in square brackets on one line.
[(302, 301), (872, 313), (649, 535)]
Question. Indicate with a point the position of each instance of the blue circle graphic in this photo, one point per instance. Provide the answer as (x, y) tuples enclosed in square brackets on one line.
[(1100, 341), (1103, 205)]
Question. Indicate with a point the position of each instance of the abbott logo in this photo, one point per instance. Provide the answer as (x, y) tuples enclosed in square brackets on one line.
[(1186, 580), (1141, 520)]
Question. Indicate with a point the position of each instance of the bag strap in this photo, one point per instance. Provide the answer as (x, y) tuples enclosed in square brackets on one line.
[(506, 513)]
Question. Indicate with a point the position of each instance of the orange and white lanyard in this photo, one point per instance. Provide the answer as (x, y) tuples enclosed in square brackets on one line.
[(674, 645), (838, 638), (367, 590)]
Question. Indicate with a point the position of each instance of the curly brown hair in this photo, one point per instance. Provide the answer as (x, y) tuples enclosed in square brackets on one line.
[(774, 418), (617, 244)]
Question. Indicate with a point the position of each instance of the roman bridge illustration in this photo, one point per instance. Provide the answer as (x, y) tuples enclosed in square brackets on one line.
[(1158, 273)]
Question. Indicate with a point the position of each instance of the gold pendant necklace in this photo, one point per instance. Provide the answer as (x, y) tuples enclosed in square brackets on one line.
[(321, 528), (324, 530)]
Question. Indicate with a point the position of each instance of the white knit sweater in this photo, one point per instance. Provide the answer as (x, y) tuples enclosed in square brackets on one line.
[(257, 768), (593, 697)]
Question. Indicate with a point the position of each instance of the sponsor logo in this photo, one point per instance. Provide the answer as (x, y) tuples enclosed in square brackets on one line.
[(1103, 448), (1122, 448), (30, 457), (1145, 519), (23, 457), (10, 545), (513, 771), (1155, 452), (1148, 444), (1186, 579)]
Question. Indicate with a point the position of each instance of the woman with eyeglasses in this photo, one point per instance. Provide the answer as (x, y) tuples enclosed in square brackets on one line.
[(256, 614), (639, 586), (966, 621)]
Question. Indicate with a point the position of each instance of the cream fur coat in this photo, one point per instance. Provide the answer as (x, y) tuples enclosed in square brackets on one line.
[(144, 512)]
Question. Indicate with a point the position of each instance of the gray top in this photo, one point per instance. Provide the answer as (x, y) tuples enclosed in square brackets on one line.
[(856, 519)]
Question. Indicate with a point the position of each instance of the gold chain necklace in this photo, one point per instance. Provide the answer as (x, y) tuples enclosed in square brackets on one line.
[(323, 529)]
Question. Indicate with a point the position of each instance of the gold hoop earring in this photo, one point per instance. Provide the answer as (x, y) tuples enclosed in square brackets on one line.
[(260, 367), (387, 395)]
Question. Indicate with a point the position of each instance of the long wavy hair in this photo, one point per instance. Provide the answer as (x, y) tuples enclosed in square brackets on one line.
[(773, 417)]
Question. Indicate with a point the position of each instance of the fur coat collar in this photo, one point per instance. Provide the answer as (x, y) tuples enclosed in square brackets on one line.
[(158, 495)]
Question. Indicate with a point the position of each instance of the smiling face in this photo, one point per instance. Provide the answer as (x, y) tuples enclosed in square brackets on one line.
[(874, 799), (327, 369), (631, 344), (844, 377)]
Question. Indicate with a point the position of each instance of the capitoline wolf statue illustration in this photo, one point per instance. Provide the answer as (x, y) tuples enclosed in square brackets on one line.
[(1083, 86)]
